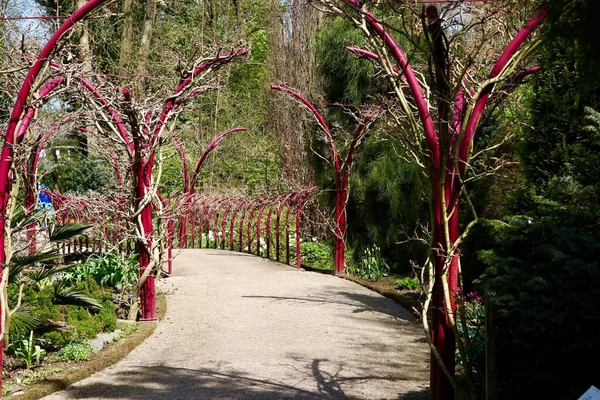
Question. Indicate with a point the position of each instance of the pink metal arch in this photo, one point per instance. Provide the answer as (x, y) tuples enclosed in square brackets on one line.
[(225, 207), (211, 146), (269, 215), (250, 237), (302, 199), (230, 205), (247, 206), (295, 199), (268, 201), (214, 208), (242, 203), (289, 197)]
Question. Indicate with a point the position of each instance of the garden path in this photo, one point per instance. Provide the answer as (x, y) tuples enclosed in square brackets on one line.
[(241, 327)]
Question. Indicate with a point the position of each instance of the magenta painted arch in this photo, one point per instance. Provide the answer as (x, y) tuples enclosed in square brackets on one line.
[(289, 196), (228, 205), (301, 203), (295, 199), (269, 215), (215, 207), (247, 206), (267, 200), (242, 202)]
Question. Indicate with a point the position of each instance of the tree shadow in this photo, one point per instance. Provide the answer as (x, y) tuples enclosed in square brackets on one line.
[(359, 302), (165, 382)]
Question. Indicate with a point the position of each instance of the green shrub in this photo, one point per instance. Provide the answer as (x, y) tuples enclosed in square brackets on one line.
[(407, 283), (543, 281), (111, 270), (76, 351), (80, 323), (317, 254), (371, 266)]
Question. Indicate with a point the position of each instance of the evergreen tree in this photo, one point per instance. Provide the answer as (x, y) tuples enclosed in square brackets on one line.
[(387, 197), (543, 276)]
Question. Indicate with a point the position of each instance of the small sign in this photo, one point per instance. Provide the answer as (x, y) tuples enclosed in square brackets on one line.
[(593, 393)]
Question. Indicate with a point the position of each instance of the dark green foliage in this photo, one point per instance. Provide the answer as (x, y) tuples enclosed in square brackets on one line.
[(80, 175), (347, 78), (568, 82), (474, 312), (387, 201), (68, 232), (543, 279), (317, 254), (542, 275)]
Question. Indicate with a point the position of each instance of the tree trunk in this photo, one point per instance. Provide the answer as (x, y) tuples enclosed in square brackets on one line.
[(145, 43), (126, 52), (144, 221), (85, 50), (443, 336)]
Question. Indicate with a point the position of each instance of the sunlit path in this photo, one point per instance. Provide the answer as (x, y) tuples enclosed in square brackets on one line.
[(240, 327)]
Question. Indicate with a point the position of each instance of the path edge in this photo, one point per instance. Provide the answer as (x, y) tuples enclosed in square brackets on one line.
[(406, 302)]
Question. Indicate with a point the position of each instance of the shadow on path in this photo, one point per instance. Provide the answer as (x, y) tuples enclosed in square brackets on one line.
[(164, 382), (360, 302)]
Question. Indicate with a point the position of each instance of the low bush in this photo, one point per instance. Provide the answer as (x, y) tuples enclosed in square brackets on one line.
[(76, 351), (474, 313), (407, 283), (317, 254), (111, 270)]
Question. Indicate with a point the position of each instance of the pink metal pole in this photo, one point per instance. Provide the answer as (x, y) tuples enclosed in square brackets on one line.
[(206, 205), (248, 205), (268, 201), (234, 215), (251, 220), (214, 209), (270, 214), (295, 198), (278, 224), (226, 205), (301, 202), (224, 220)]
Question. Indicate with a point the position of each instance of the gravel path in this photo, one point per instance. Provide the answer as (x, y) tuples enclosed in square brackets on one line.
[(240, 327)]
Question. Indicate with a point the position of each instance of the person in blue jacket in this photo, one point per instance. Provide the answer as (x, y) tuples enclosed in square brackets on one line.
[(45, 205)]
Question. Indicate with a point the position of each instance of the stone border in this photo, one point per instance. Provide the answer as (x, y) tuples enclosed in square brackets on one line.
[(106, 357)]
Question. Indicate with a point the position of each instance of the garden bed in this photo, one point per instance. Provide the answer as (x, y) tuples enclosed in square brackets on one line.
[(47, 378)]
